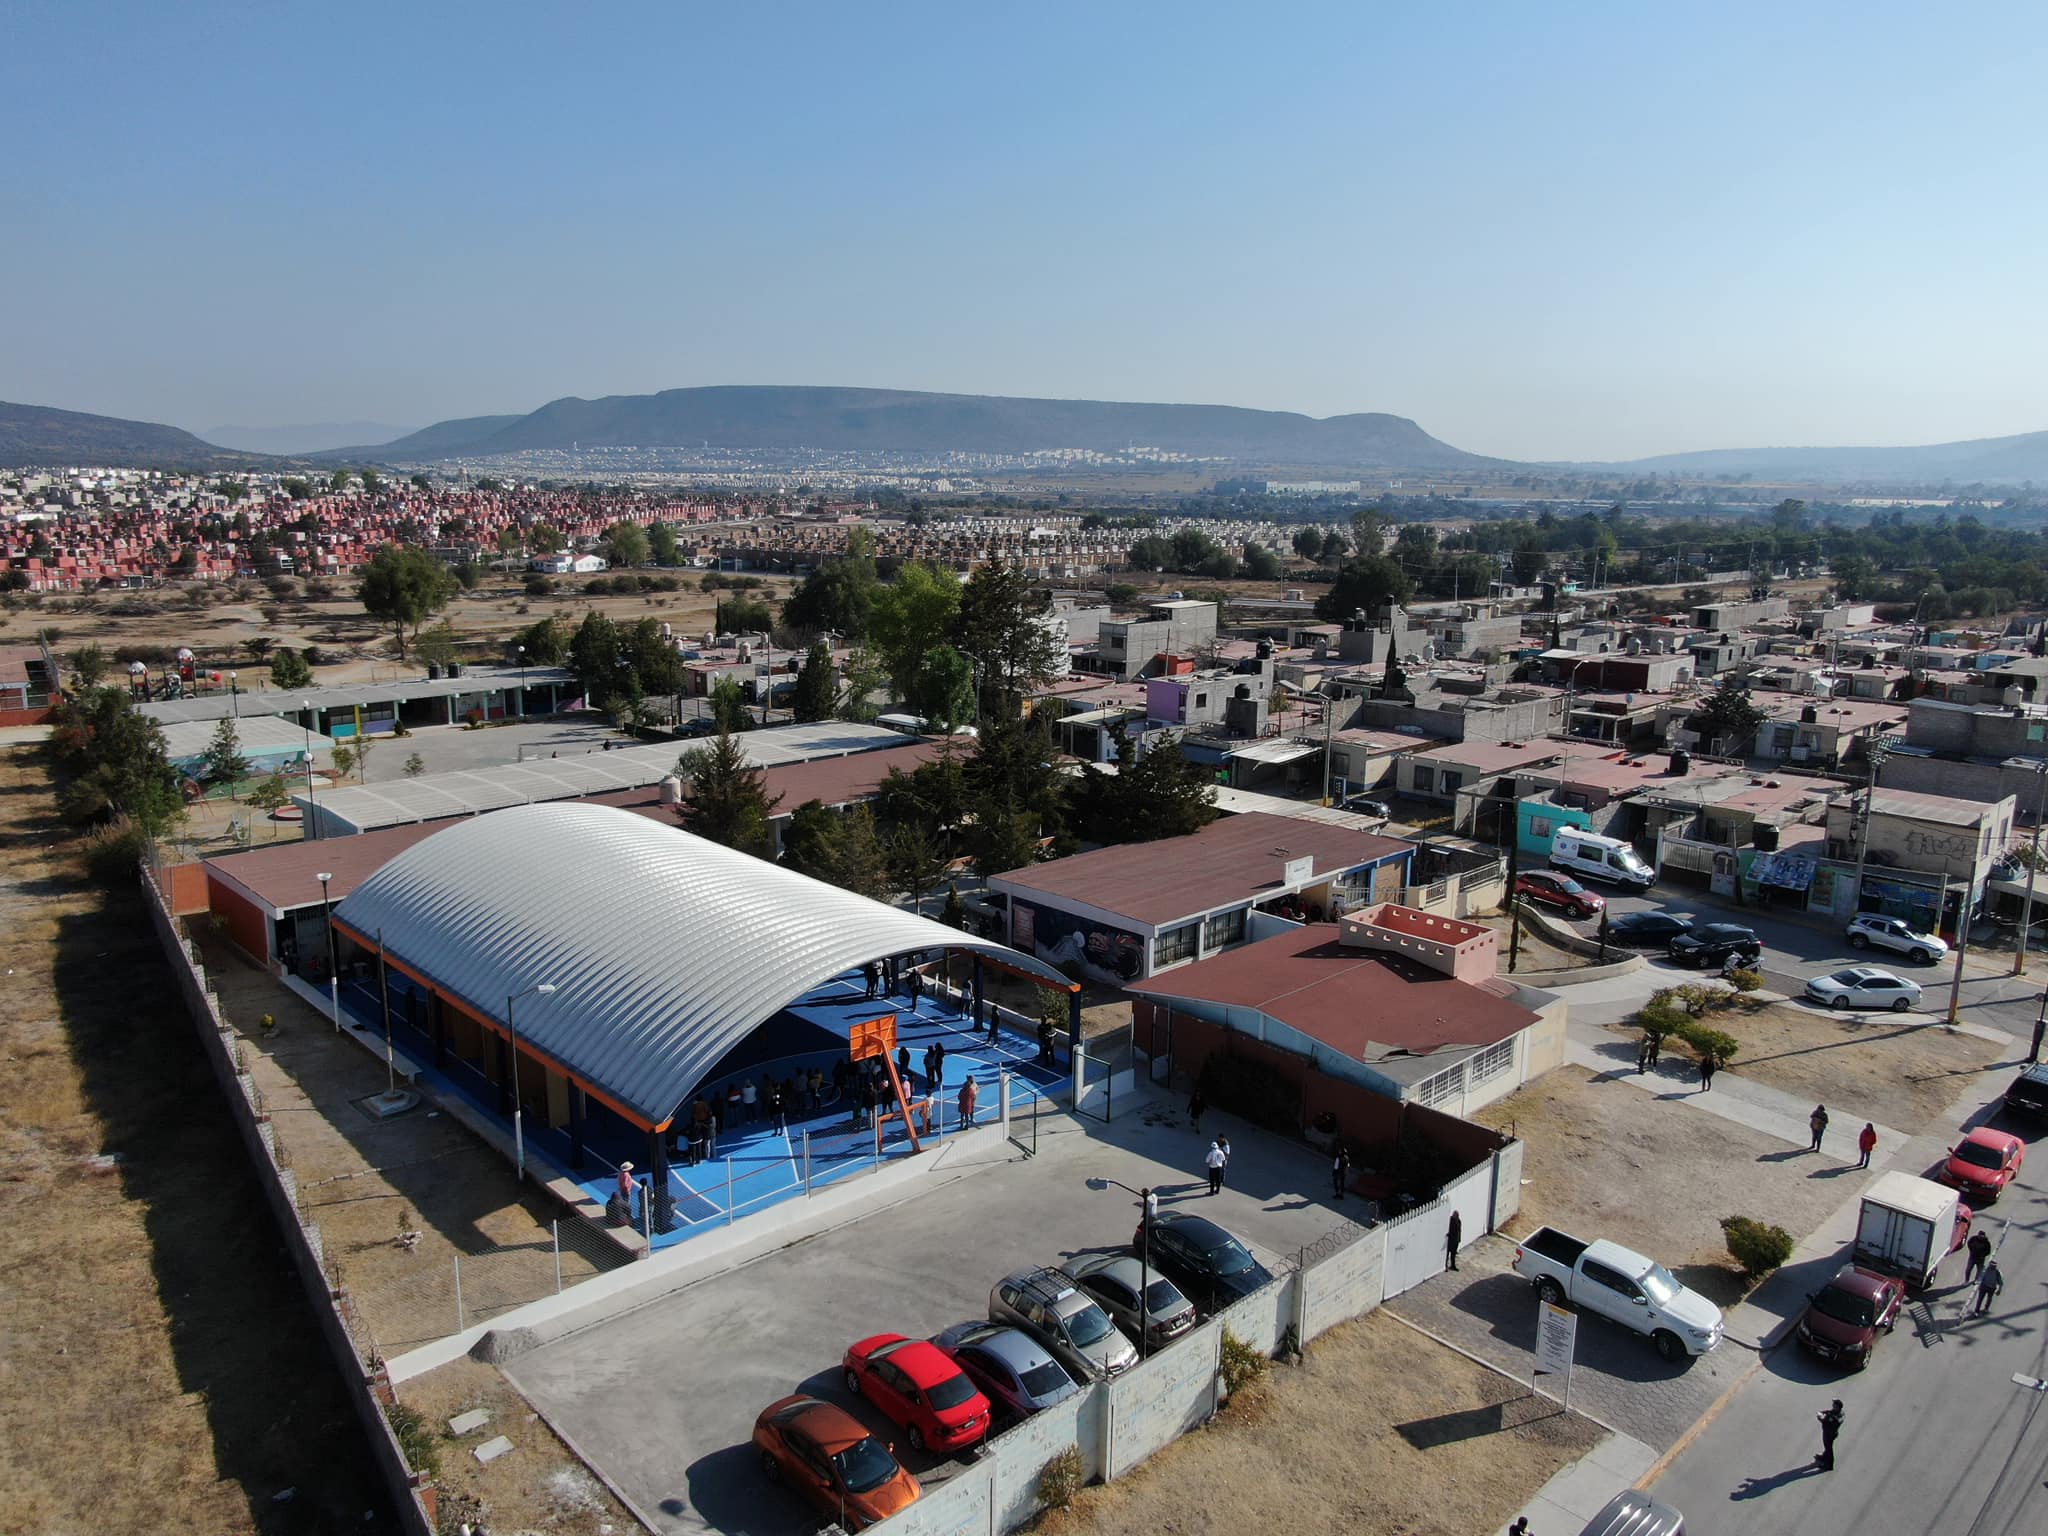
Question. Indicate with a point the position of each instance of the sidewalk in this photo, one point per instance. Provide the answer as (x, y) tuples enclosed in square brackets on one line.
[(1575, 1495)]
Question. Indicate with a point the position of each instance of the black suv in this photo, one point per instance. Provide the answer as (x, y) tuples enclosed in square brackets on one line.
[(2028, 1094), (1713, 943), (1211, 1267)]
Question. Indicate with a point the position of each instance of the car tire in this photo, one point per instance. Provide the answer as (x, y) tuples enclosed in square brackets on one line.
[(1549, 1290), (1669, 1345), (1859, 941), (916, 1438), (853, 1381), (1922, 957), (1901, 1005), (1838, 1002), (771, 1468)]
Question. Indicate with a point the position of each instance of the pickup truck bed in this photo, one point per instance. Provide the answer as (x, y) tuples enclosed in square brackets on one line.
[(1561, 1248)]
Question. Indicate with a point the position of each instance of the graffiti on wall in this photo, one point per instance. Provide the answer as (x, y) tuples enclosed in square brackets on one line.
[(1064, 940)]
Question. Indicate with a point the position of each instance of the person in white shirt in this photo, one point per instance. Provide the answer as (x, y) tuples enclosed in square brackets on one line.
[(1216, 1159)]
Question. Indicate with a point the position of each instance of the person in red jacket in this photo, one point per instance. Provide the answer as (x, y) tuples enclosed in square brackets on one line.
[(1866, 1143)]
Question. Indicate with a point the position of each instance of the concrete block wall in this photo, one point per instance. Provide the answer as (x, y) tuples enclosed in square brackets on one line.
[(1263, 1317), (1343, 1286), (1157, 1401), (1507, 1183)]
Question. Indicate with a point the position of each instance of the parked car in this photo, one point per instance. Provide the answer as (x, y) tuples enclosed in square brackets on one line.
[(828, 1456), (1844, 1317), (1647, 930), (1550, 889), (1983, 1162), (1620, 1284), (921, 1387), (1873, 931), (1864, 986), (1631, 1513), (1211, 1267), (1114, 1280), (1013, 1370), (2027, 1094), (1713, 943), (1579, 852), (1364, 805), (1908, 1225), (1076, 1331)]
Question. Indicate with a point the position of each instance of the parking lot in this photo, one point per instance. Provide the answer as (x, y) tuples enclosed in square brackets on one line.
[(662, 1400)]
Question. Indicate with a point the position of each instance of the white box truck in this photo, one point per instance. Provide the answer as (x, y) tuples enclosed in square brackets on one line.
[(1908, 1226)]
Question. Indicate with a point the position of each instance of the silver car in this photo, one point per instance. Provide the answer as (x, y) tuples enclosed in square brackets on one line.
[(1012, 1368), (1114, 1280), (1079, 1334)]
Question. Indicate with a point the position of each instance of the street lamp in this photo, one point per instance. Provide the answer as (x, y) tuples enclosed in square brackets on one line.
[(306, 706), (542, 989), (522, 680), (333, 967), (234, 698), (1148, 1207)]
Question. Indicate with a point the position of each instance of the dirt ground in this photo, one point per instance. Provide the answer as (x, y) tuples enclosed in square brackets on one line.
[(1602, 1158), (160, 1368), (539, 1485), (1532, 954), (367, 1181), (1378, 1430), (1898, 1067)]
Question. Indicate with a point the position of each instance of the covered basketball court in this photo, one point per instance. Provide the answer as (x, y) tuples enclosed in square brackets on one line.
[(587, 976)]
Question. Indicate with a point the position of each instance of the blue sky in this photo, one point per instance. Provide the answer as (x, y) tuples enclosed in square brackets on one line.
[(1540, 230)]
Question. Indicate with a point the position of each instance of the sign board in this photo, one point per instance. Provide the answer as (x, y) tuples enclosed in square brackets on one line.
[(1298, 871), (1557, 1330)]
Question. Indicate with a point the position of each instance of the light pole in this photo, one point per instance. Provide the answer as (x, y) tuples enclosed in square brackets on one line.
[(1875, 752), (2019, 961), (541, 989), (1146, 1203), (333, 965), (234, 698), (306, 705), (522, 681)]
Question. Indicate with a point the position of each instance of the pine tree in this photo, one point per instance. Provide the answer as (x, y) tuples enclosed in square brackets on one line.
[(223, 756), (725, 799), (817, 689)]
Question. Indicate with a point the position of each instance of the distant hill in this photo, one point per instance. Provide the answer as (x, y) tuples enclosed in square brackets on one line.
[(42, 434), (312, 437), (444, 439), (784, 418), (2000, 460)]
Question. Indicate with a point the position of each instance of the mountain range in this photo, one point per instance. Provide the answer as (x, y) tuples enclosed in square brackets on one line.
[(307, 437), (787, 419)]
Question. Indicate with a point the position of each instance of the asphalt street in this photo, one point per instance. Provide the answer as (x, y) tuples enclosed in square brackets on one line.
[(1940, 1437)]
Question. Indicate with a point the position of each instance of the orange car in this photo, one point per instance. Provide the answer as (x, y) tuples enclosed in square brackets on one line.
[(828, 1456)]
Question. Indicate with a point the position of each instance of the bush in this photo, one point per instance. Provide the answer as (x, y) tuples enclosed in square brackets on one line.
[(1745, 980), (1242, 1365), (422, 1451), (1758, 1248), (538, 586), (157, 654), (113, 851), (1059, 1480)]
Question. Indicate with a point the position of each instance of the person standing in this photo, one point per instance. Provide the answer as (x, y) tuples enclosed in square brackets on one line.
[(750, 1100), (903, 1063), (1818, 1122), (1214, 1161), (1196, 1104), (1989, 1284), (1979, 1249), (968, 1095), (1340, 1171), (931, 1072), (2040, 1029), (776, 1117), (916, 986), (1708, 1067), (1454, 1237), (1866, 1143), (938, 1065), (1830, 1427)]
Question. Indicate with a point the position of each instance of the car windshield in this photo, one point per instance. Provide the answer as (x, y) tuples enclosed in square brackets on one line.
[(1662, 1288), (950, 1393), (1845, 1307), (1977, 1155), (1846, 978), (1629, 860), (1565, 884), (1164, 1296), (1088, 1326), (1045, 1378), (1230, 1259), (864, 1467)]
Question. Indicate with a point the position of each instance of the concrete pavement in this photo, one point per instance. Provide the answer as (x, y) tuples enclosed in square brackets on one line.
[(1580, 1491)]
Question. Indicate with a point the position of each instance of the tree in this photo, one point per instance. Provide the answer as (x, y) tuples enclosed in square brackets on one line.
[(1394, 681), (863, 677), (1261, 564), (917, 861), (289, 671), (1161, 794), (1368, 531), (223, 756), (542, 643), (1007, 628), (836, 596), (1016, 790), (1308, 543), (1529, 559), (338, 481), (744, 615), (661, 544), (1730, 717), (422, 483), (944, 691), (269, 796), (1366, 583), (817, 686), (439, 644), (89, 665), (116, 761), (729, 706), (372, 482), (403, 585), (626, 544), (364, 744), (596, 656), (808, 839), (724, 798), (544, 540), (343, 757), (908, 617), (860, 862), (234, 490), (653, 660)]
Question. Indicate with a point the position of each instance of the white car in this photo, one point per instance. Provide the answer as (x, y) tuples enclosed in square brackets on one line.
[(1891, 933), (1864, 986)]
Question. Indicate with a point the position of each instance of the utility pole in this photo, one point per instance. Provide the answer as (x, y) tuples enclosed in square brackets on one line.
[(1875, 752), (2019, 960), (1955, 986)]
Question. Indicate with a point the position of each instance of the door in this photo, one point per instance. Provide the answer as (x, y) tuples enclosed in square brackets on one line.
[(1610, 1293)]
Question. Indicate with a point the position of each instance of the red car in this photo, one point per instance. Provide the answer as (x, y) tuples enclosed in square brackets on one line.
[(1983, 1162), (1845, 1316), (919, 1386), (828, 1456), (1560, 891)]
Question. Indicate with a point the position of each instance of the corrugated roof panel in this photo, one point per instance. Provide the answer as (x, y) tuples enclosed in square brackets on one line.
[(666, 949)]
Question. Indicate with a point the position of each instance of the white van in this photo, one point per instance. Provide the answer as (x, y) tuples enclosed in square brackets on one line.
[(1579, 852)]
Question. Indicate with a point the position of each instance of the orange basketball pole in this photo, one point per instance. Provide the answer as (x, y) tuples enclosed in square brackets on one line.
[(877, 1037)]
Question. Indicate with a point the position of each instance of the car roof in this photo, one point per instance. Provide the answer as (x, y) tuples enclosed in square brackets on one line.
[(919, 1359), (831, 1427), (1722, 930), (1050, 1284), (1858, 1281), (1199, 1230), (1121, 1265), (1984, 1136), (1014, 1347)]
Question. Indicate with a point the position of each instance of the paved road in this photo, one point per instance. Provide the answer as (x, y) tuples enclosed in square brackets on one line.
[(1939, 1439)]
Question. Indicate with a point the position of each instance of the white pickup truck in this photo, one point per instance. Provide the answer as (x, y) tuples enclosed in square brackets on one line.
[(1611, 1280)]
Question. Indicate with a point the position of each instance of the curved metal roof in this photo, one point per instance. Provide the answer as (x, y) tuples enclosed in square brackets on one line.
[(666, 950)]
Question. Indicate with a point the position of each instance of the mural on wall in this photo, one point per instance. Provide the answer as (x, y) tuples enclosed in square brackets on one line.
[(1101, 952)]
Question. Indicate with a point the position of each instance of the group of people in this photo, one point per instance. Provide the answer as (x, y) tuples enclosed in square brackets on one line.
[(745, 1101), (1866, 1139)]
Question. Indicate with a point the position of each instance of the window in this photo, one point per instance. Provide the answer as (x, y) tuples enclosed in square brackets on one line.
[(1201, 701), (1492, 1061), (1432, 1091), (1175, 945), (1448, 785), (1223, 928), (1539, 826), (1425, 781)]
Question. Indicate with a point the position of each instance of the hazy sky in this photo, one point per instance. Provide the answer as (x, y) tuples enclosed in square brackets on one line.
[(1541, 230)]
